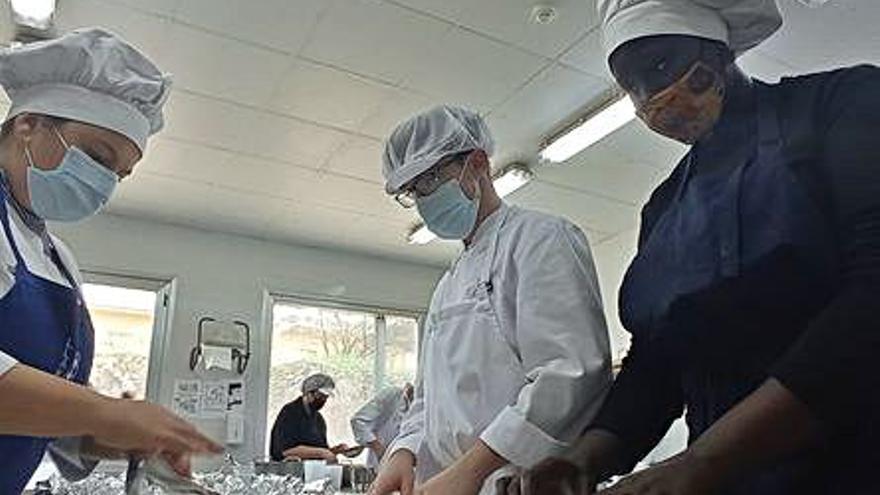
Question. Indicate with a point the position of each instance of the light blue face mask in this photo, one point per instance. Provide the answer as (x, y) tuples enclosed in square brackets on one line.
[(75, 190), (448, 212)]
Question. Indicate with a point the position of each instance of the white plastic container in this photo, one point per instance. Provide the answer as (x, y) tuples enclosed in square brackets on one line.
[(315, 470), (334, 473)]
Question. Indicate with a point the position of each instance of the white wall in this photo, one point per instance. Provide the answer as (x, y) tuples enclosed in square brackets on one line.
[(226, 276)]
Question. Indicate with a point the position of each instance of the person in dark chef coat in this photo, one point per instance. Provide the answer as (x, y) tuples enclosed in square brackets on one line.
[(82, 108), (300, 431), (754, 298)]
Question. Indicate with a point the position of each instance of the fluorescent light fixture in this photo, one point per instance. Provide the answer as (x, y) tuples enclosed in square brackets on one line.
[(512, 178), (589, 131), (34, 14)]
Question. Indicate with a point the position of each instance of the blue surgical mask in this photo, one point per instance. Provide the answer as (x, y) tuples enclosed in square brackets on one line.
[(448, 212), (76, 189)]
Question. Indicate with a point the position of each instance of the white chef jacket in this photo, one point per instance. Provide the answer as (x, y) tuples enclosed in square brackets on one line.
[(379, 419), (546, 299), (64, 452)]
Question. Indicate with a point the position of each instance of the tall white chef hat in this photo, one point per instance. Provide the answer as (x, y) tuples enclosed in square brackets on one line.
[(88, 75), (741, 24)]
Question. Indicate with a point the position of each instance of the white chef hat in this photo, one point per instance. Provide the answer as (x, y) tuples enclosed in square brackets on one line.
[(422, 141), (87, 75), (741, 24)]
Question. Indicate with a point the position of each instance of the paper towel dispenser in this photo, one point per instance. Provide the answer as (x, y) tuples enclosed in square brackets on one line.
[(222, 342)]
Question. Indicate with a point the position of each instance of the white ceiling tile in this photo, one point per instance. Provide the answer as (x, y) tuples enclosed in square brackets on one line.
[(840, 33), (619, 179), (509, 20), (327, 95), (290, 140), (238, 212), (374, 38), (636, 143), (203, 120), (221, 67), (170, 157), (225, 170), (145, 31), (359, 157), (399, 106), (587, 211), (220, 124), (473, 71), (589, 56), (164, 7), (158, 197), (356, 196), (280, 24), (556, 96), (193, 204), (322, 227)]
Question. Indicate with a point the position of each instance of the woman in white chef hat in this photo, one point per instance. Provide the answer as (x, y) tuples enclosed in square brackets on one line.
[(83, 107), (752, 300)]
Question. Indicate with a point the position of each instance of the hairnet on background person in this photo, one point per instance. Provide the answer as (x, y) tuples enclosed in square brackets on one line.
[(319, 382), (423, 140)]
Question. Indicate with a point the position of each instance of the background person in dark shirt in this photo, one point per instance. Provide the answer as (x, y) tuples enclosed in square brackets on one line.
[(753, 298), (300, 431)]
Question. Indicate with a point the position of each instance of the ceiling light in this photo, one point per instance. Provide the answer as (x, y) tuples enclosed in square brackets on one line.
[(510, 179), (589, 131), (33, 14)]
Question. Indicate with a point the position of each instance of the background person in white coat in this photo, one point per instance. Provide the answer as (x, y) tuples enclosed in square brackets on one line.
[(516, 358), (377, 423)]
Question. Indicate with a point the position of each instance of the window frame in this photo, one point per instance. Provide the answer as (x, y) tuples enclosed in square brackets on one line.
[(163, 314), (264, 349)]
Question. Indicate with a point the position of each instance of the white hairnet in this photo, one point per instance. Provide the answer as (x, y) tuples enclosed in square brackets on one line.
[(318, 382), (741, 24), (421, 142)]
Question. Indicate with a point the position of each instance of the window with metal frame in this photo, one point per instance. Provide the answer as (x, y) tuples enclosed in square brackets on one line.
[(364, 349)]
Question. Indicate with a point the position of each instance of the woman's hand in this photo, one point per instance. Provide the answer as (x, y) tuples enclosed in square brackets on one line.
[(137, 426)]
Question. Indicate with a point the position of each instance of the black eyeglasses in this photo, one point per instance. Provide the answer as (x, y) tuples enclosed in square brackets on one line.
[(429, 181)]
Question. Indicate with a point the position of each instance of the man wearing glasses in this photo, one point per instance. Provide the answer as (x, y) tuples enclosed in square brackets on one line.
[(516, 357)]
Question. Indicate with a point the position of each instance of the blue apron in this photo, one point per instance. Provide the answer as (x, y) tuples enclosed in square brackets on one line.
[(46, 326), (728, 277)]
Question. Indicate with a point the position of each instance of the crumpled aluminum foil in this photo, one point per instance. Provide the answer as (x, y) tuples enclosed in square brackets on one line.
[(232, 479)]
